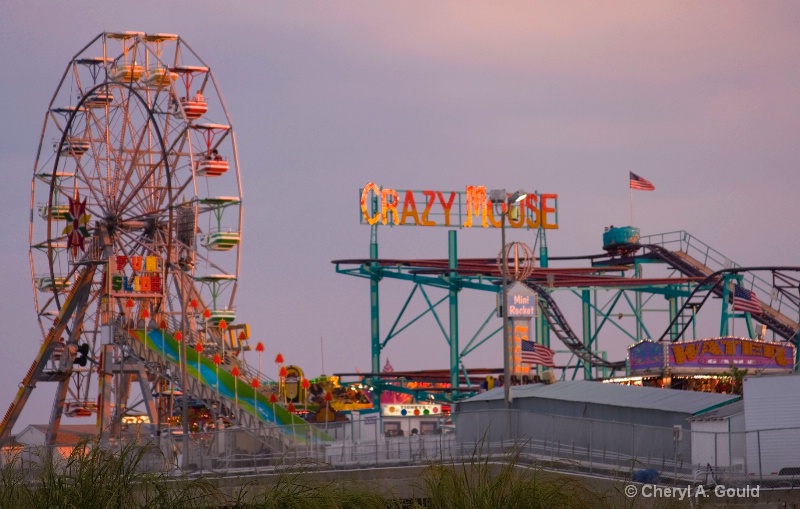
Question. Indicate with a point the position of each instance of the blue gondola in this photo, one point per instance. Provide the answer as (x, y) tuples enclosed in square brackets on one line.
[(621, 240)]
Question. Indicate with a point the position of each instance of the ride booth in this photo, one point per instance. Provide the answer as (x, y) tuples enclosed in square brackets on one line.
[(413, 419), (706, 365)]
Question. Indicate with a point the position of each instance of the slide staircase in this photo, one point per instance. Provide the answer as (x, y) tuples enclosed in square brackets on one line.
[(278, 427)]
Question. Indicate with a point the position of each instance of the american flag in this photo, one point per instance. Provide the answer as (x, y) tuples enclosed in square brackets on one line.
[(533, 353), (642, 184), (745, 300)]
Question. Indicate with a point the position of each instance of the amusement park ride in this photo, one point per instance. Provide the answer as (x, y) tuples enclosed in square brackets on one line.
[(135, 234), (135, 246), (615, 299)]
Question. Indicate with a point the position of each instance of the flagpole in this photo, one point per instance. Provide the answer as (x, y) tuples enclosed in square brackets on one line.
[(631, 191)]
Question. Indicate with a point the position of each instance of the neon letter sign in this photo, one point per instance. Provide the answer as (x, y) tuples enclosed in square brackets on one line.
[(452, 209)]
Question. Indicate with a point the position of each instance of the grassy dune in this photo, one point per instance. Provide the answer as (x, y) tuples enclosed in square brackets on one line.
[(95, 478)]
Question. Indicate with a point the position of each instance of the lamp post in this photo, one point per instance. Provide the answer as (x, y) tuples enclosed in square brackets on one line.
[(501, 197)]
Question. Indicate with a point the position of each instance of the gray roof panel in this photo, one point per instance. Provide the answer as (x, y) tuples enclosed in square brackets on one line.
[(650, 398)]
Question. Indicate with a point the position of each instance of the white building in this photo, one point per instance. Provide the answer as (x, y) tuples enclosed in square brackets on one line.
[(69, 435), (772, 423), (718, 438)]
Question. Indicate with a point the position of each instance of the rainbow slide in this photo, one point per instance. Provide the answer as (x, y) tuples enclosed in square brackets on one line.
[(232, 388)]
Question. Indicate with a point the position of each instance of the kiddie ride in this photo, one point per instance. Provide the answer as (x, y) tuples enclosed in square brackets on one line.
[(136, 310)]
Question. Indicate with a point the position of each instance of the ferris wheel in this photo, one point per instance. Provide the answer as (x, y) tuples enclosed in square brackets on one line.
[(136, 209)]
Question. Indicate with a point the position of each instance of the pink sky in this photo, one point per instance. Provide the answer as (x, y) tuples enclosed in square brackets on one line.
[(701, 98)]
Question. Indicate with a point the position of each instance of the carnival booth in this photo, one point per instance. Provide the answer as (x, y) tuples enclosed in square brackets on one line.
[(708, 365), (413, 419)]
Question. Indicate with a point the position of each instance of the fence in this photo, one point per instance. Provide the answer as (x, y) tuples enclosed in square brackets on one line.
[(594, 446), (768, 458)]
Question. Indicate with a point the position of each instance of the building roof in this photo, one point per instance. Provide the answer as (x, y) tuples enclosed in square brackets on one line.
[(70, 434), (721, 413), (11, 443), (646, 398)]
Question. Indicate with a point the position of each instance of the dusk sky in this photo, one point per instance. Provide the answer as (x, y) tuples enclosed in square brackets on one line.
[(700, 98)]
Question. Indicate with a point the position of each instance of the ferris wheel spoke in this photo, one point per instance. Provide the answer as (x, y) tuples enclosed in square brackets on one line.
[(132, 172), (144, 195), (130, 244)]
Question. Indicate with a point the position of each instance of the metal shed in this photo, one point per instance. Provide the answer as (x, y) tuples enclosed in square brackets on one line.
[(642, 422), (648, 406), (718, 438)]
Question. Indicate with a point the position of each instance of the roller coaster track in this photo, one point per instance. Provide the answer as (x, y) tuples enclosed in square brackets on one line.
[(705, 268), (560, 327), (775, 319)]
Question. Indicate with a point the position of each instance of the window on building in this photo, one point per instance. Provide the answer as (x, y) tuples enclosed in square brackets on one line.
[(392, 429), (427, 428)]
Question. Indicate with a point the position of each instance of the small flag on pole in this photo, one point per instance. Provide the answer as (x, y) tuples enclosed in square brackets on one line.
[(745, 300), (534, 353), (641, 184)]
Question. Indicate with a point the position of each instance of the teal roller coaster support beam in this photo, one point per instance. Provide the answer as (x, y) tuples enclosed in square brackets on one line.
[(725, 316), (375, 311), (542, 327), (586, 300), (727, 312), (453, 293), (673, 310), (638, 307), (797, 352), (544, 260)]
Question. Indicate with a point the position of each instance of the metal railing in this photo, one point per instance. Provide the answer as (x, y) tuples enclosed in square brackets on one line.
[(617, 450), (709, 257)]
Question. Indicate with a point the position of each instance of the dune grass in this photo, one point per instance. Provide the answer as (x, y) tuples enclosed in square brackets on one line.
[(92, 477), (500, 480)]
